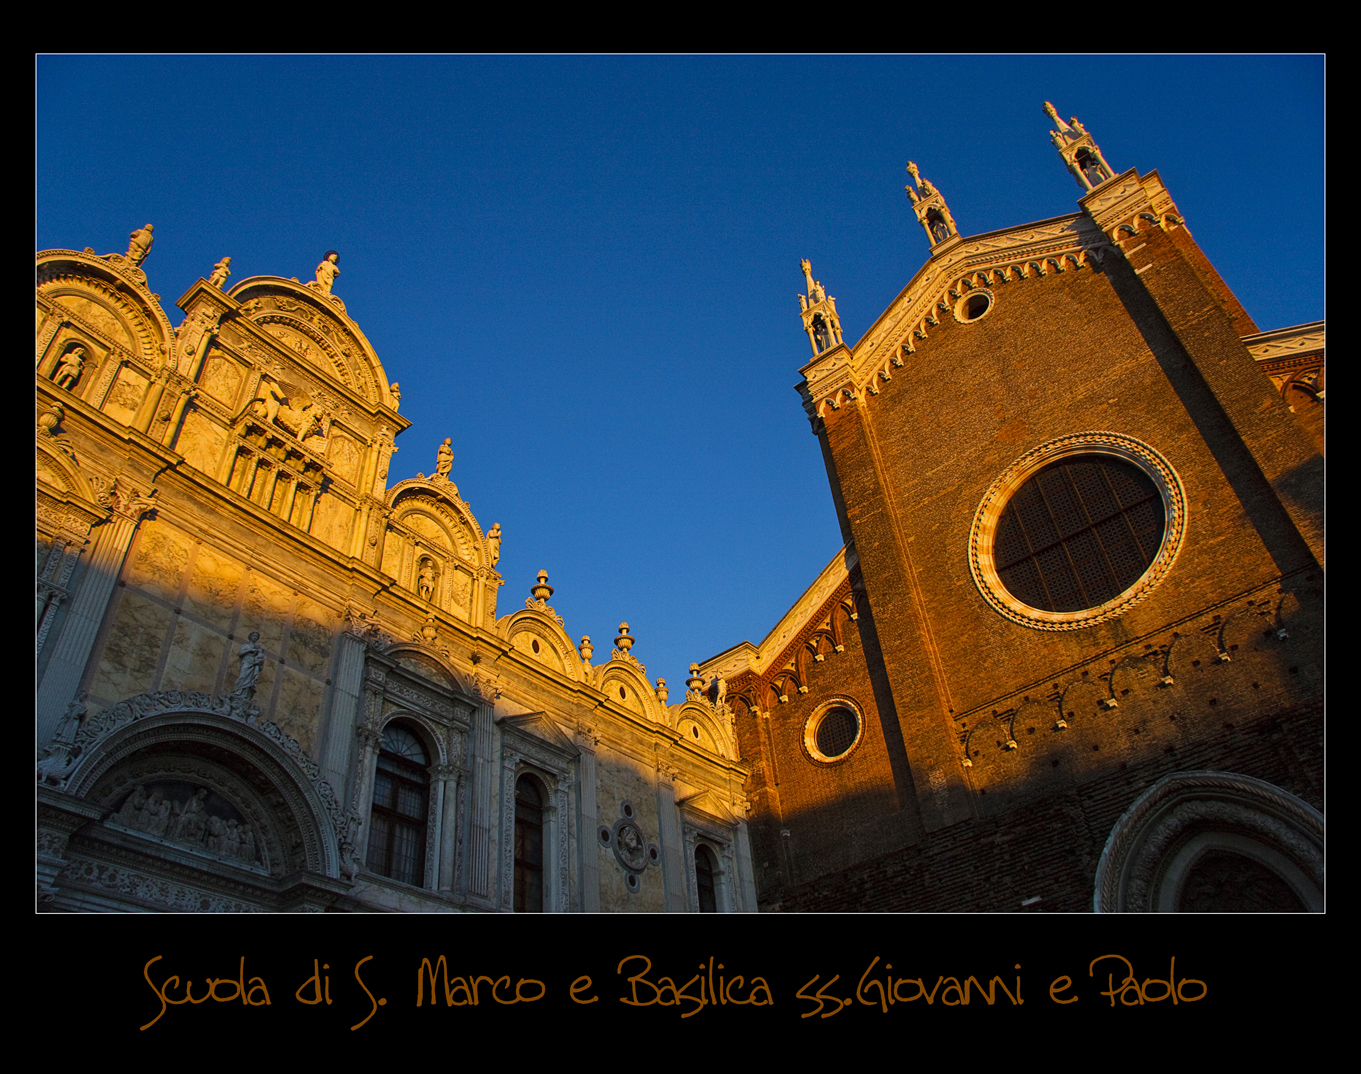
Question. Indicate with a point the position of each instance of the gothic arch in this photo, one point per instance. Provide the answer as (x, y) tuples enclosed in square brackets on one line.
[(1154, 849)]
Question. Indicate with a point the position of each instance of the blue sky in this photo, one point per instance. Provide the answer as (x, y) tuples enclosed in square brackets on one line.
[(584, 270)]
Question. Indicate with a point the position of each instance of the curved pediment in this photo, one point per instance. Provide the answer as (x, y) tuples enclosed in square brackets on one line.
[(317, 329), (540, 638), (698, 726), (430, 511), (111, 305), (625, 685)]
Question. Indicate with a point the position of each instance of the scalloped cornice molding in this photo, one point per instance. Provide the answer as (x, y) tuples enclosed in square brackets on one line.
[(1119, 209)]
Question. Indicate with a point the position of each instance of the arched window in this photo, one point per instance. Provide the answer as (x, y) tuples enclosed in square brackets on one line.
[(704, 880), (528, 847), (401, 795)]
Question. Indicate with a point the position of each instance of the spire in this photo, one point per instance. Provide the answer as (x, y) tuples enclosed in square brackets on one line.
[(819, 313), (1079, 152), (932, 212)]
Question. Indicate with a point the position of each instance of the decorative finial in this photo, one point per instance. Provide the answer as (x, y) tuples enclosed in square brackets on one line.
[(1078, 150), (662, 692), (624, 641), (586, 648), (929, 204), (541, 590), (820, 320), (694, 683)]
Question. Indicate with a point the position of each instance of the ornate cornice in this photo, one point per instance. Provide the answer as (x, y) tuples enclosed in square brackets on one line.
[(999, 257)]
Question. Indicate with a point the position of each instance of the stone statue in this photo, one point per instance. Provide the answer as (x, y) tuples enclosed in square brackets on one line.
[(72, 365), (71, 721), (327, 272), (444, 459), (220, 273), (426, 581), (190, 825), (252, 661), (940, 230), (128, 814), (140, 245), (396, 390), (494, 543)]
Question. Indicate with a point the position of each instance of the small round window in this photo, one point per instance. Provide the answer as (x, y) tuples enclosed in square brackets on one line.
[(973, 305), (832, 733)]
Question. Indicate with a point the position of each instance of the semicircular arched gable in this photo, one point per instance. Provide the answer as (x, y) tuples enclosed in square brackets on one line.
[(107, 308), (303, 315), (623, 685), (555, 650), (697, 727), (439, 520)]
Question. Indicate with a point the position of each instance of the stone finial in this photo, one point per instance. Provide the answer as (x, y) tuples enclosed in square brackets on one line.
[(139, 245), (1078, 150), (541, 590), (820, 319), (220, 273), (49, 420), (586, 648), (929, 204), (694, 683), (662, 692), (624, 641)]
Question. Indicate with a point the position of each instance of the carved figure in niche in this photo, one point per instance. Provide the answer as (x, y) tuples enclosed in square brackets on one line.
[(216, 829), (940, 230), (128, 814), (252, 661), (155, 816), (494, 543), (425, 583), (70, 369), (140, 245), (1091, 168), (444, 459), (231, 841), (220, 273), (821, 334), (189, 825), (327, 272)]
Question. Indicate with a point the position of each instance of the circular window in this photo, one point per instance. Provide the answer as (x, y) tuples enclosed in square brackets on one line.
[(832, 733), (1077, 531), (973, 305)]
